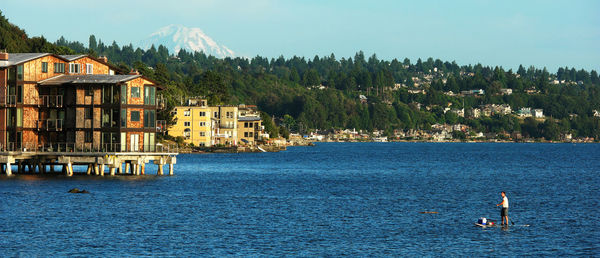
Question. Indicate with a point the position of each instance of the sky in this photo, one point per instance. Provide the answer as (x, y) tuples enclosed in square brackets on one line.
[(503, 33)]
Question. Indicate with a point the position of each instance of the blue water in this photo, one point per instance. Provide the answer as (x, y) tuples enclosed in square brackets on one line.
[(334, 199)]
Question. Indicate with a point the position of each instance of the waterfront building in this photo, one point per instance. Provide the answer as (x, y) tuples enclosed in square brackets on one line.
[(193, 123), (225, 125), (250, 127), (74, 100)]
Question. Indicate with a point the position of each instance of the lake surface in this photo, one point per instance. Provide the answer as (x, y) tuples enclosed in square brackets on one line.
[(334, 199)]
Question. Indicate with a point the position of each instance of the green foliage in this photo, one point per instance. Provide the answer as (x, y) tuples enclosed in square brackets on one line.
[(269, 125)]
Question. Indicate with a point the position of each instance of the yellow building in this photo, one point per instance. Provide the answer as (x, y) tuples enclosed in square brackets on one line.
[(193, 123), (225, 125), (250, 128)]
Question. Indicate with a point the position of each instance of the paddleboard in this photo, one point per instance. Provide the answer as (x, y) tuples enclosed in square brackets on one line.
[(498, 225)]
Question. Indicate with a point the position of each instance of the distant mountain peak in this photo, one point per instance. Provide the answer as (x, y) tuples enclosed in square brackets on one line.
[(177, 37)]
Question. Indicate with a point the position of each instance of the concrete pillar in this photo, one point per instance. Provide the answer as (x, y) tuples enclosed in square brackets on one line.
[(143, 168), (96, 169), (160, 170), (89, 169), (8, 169), (127, 167), (120, 168), (170, 169), (102, 170), (112, 171), (19, 167), (69, 169), (52, 168)]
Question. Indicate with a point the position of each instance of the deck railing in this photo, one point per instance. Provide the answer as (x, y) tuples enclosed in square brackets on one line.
[(50, 125), (50, 101), (8, 100), (87, 147)]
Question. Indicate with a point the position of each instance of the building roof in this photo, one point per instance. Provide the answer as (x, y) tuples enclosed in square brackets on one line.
[(249, 118), (88, 79), (71, 58), (19, 58)]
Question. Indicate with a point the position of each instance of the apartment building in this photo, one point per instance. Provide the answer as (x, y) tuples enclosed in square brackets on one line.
[(207, 126), (225, 125), (75, 100), (193, 123), (249, 125)]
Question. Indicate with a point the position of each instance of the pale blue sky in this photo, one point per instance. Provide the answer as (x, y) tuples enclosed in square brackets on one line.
[(505, 33)]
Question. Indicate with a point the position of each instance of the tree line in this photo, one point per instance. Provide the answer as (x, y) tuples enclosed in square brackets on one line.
[(302, 94)]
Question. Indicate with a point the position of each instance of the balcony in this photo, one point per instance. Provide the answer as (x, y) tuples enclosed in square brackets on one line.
[(8, 100), (226, 126), (161, 126), (50, 101), (50, 125)]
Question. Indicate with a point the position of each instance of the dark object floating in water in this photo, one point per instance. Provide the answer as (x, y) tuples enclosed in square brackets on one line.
[(429, 212), (76, 190)]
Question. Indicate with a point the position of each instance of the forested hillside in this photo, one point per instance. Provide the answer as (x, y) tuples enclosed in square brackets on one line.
[(325, 92)]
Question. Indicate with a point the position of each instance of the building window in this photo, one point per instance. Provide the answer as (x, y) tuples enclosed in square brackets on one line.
[(19, 117), (123, 117), (135, 92), (245, 134), (88, 135), (229, 114), (186, 113), (74, 68), (202, 134), (89, 68), (87, 113), (59, 67), (250, 134), (202, 113), (186, 133), (186, 123), (202, 124), (149, 95), (216, 114), (20, 72), (19, 93), (123, 94), (149, 118), (135, 116), (89, 91), (44, 67)]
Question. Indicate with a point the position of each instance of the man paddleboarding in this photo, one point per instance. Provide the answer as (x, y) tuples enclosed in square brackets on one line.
[(504, 211)]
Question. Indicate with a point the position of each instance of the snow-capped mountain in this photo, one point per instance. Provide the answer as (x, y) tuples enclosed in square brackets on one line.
[(177, 37)]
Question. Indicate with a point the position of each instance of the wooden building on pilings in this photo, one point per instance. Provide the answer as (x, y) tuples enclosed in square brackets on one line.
[(76, 109)]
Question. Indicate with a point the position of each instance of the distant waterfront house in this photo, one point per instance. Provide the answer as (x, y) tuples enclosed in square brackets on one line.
[(48, 99), (538, 113), (595, 113)]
